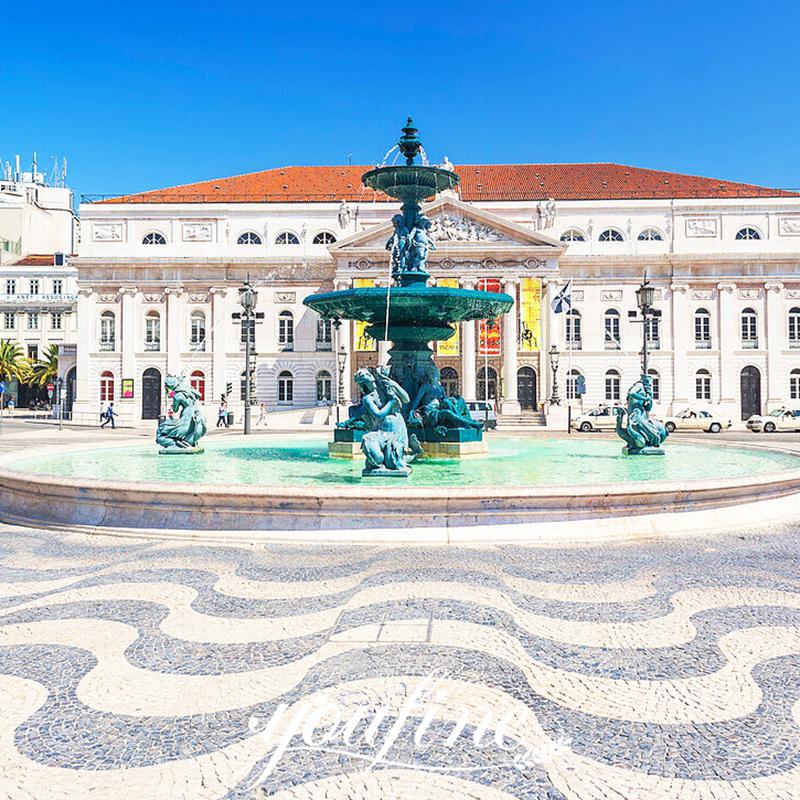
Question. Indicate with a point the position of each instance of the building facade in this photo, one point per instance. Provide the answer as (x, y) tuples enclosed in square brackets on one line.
[(159, 272), (38, 296)]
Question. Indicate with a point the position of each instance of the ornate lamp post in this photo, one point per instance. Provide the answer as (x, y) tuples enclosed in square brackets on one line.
[(341, 361), (60, 395), (555, 400), (247, 300), (645, 295)]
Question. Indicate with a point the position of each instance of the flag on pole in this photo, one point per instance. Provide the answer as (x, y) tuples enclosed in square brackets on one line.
[(563, 300)]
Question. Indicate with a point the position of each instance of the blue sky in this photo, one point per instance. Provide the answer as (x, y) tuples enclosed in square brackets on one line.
[(144, 95)]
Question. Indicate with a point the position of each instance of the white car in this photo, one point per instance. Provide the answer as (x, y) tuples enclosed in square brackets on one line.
[(601, 418), (781, 419), (484, 412), (693, 419)]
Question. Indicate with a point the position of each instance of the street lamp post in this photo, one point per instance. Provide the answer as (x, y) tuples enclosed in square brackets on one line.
[(645, 295), (555, 400), (341, 361), (60, 390), (247, 300)]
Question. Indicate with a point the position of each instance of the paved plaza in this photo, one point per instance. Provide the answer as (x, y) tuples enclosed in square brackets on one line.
[(145, 668)]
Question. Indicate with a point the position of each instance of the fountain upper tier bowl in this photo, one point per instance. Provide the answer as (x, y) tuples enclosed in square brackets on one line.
[(427, 310), (410, 183)]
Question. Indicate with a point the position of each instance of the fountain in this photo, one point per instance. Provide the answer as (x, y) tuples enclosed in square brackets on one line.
[(411, 315)]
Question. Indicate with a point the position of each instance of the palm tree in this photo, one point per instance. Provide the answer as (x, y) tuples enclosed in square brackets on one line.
[(13, 363), (45, 370)]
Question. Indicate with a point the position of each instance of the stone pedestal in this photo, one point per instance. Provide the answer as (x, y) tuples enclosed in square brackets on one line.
[(454, 443)]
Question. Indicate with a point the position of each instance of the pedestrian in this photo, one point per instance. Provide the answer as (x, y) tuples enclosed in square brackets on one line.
[(262, 415), (222, 414), (109, 416)]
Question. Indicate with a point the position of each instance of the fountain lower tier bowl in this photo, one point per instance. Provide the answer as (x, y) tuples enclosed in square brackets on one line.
[(426, 313)]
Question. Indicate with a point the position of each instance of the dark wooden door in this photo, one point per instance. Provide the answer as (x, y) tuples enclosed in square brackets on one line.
[(69, 392), (526, 388), (750, 388), (151, 394)]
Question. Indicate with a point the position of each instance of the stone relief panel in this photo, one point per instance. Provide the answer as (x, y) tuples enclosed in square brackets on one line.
[(198, 297), (285, 297), (700, 227), (107, 232), (198, 231), (702, 294), (793, 293), (748, 294), (611, 294), (789, 226), (577, 295), (456, 228)]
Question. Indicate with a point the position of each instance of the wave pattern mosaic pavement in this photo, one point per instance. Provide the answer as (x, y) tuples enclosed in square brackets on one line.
[(130, 668)]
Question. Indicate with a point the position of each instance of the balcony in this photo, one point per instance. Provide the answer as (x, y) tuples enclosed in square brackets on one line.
[(794, 344), (574, 344), (654, 344), (612, 345), (152, 347), (324, 346), (749, 344), (284, 346), (198, 347), (702, 344), (108, 347)]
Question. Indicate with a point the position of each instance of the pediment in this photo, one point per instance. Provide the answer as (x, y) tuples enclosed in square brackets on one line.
[(458, 227)]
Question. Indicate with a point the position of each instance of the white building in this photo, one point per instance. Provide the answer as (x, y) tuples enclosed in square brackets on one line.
[(37, 286), (158, 274)]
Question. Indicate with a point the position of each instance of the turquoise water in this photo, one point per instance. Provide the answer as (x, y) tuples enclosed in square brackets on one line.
[(303, 461)]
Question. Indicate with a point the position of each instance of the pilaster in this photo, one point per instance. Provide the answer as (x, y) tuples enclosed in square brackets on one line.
[(218, 342), (680, 342), (775, 338), (727, 342), (468, 353), (173, 294), (510, 400)]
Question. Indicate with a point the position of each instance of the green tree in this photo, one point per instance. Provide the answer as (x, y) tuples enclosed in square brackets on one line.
[(13, 363), (45, 370)]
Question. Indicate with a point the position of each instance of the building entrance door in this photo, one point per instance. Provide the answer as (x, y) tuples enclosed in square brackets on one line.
[(69, 393), (526, 388), (750, 387), (151, 394)]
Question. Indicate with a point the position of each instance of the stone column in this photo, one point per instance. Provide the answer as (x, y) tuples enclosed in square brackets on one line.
[(173, 329), (87, 342), (510, 401), (774, 333), (680, 340), (728, 333), (468, 353), (217, 341)]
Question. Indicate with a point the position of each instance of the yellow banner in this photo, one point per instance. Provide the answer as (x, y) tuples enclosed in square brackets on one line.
[(530, 316), (451, 346), (364, 343)]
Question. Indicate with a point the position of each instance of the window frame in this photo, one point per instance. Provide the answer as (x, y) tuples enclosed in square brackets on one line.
[(658, 237), (611, 315), (285, 387), (569, 235), (107, 386), (252, 236), (748, 233), (611, 235), (613, 382), (324, 380), (320, 235), (154, 239), (702, 385), (197, 380), (290, 239), (286, 330)]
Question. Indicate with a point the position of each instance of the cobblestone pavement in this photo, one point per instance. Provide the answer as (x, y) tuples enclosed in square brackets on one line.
[(152, 669)]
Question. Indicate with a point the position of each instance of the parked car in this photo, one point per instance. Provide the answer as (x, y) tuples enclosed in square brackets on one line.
[(601, 418), (693, 419), (781, 419), (481, 411)]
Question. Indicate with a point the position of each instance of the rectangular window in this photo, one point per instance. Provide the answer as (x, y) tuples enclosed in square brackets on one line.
[(33, 320), (33, 352), (11, 286), (55, 321), (58, 286), (34, 286), (9, 320)]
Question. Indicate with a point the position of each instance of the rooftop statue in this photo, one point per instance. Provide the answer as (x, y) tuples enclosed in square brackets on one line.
[(182, 432), (381, 413), (642, 435)]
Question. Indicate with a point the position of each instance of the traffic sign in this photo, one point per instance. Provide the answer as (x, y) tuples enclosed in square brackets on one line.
[(2, 387), (50, 387), (580, 385)]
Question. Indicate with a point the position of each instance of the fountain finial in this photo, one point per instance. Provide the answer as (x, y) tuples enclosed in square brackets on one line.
[(409, 143)]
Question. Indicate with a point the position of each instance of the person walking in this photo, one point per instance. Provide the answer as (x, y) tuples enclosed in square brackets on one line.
[(262, 415), (222, 414), (109, 416)]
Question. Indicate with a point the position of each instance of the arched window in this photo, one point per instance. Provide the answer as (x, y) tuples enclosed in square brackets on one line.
[(655, 384), (702, 329), (449, 380), (612, 385), (154, 238), (106, 386), (611, 325), (749, 329), (572, 384), (794, 384), (748, 233), (324, 237), (198, 382), (285, 387), (490, 384), (197, 332), (651, 235), (152, 331), (107, 330), (572, 235), (794, 327), (324, 334), (574, 329), (611, 235), (324, 386), (248, 237), (286, 330), (702, 385), (287, 237)]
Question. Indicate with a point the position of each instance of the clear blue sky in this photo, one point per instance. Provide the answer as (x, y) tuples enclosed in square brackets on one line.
[(142, 95)]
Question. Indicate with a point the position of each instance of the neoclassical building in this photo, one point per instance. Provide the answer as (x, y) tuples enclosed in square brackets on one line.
[(159, 272)]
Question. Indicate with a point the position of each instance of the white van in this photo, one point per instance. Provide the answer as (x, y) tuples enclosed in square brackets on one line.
[(481, 411)]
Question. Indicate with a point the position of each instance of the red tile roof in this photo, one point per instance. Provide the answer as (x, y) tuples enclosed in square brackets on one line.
[(39, 260), (479, 182)]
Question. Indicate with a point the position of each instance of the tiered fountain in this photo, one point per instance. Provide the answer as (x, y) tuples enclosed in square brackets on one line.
[(411, 315)]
